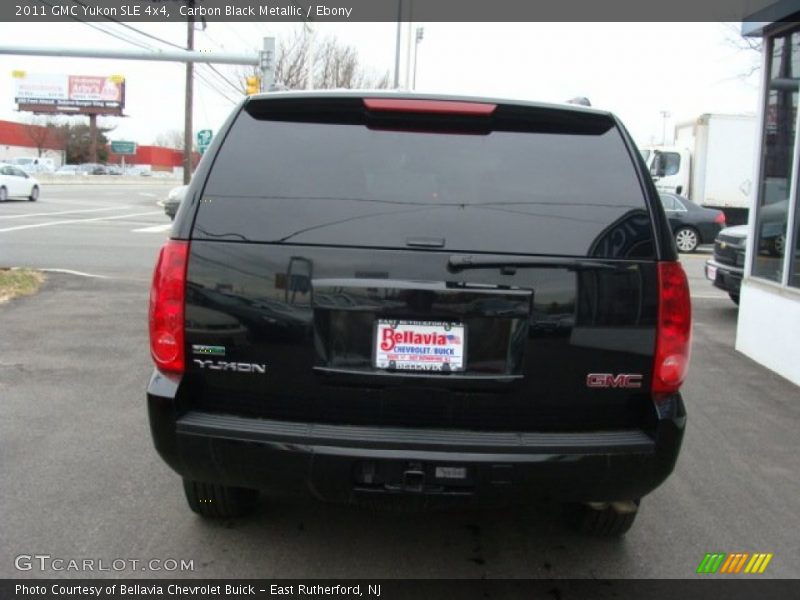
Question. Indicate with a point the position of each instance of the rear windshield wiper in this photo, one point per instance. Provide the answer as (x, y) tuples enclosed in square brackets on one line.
[(462, 262)]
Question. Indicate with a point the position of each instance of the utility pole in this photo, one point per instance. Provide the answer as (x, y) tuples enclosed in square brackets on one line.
[(664, 115), (408, 47), (266, 64), (397, 44), (187, 118), (93, 138), (418, 38)]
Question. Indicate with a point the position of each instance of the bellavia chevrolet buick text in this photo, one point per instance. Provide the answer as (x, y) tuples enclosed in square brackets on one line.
[(422, 299)]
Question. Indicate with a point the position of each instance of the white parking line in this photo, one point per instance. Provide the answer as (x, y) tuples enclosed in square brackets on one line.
[(148, 194), (79, 273), (64, 212), (153, 229), (72, 221), (709, 296)]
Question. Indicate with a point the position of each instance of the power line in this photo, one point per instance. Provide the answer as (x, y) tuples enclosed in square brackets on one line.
[(163, 41), (116, 35), (139, 31), (153, 37), (221, 46), (225, 79), (212, 40), (213, 87), (101, 30)]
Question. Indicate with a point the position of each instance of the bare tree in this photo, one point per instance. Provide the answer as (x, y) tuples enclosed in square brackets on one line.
[(43, 134), (753, 46), (334, 65), (337, 66), (170, 139), (290, 61)]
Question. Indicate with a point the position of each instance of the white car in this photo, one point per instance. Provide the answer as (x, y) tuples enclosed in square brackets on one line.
[(16, 183), (67, 170), (31, 164)]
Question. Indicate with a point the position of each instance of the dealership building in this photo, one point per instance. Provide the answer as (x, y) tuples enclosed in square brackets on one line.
[(29, 140), (768, 329)]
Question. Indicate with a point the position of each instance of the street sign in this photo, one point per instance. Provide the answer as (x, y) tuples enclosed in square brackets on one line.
[(204, 138), (123, 147)]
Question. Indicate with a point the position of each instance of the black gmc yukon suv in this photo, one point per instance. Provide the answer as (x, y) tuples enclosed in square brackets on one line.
[(420, 298)]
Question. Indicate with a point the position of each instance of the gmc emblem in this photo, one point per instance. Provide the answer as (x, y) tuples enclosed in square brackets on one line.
[(608, 380)]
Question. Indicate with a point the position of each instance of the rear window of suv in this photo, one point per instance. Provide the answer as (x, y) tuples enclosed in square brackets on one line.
[(564, 185)]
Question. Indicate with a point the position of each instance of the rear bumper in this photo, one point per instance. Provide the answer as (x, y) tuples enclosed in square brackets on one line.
[(726, 278), (347, 463), (708, 232)]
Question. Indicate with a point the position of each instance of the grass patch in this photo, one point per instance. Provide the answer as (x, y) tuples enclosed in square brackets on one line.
[(19, 282)]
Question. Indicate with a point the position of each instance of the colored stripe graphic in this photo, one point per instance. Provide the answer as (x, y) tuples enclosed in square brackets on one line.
[(734, 563), (719, 562), (711, 563), (759, 562), (741, 562)]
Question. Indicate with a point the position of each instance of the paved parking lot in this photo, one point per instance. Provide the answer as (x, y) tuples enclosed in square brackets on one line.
[(111, 230), (81, 479)]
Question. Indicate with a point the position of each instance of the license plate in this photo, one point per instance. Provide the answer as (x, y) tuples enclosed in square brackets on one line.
[(711, 273), (419, 345)]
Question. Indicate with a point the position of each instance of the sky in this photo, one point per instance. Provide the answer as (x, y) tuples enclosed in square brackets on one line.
[(636, 70)]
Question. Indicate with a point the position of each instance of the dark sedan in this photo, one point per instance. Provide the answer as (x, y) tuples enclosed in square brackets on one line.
[(691, 224)]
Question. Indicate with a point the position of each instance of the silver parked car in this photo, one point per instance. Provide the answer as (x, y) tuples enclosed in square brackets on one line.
[(174, 199)]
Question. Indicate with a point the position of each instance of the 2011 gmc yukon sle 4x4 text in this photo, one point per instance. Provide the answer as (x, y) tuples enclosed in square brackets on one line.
[(432, 299)]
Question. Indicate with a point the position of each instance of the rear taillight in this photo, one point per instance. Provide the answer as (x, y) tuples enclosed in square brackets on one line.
[(167, 297), (674, 333), (720, 219)]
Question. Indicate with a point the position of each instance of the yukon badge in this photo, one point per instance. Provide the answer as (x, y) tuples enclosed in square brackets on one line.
[(238, 367), (608, 380)]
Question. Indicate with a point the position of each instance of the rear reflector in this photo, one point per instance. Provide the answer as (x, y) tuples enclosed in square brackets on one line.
[(167, 296), (674, 333), (442, 107)]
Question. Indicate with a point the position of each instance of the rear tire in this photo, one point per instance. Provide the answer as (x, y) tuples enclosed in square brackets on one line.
[(216, 501), (607, 519), (34, 194), (3, 194), (777, 245), (687, 239), (734, 297)]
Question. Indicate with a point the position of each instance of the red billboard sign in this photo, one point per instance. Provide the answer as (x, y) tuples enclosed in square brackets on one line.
[(89, 94)]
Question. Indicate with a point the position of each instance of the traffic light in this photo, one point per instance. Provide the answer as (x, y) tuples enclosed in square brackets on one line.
[(253, 85)]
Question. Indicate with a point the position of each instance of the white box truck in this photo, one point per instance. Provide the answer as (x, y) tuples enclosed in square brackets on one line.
[(710, 162)]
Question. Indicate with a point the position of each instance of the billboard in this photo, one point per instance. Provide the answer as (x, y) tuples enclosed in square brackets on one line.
[(88, 94)]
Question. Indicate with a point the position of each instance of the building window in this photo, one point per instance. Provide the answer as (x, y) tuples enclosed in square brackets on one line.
[(777, 155)]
